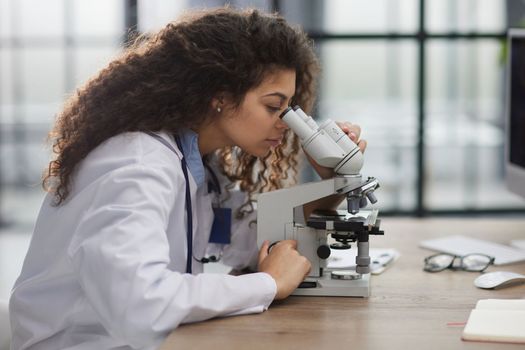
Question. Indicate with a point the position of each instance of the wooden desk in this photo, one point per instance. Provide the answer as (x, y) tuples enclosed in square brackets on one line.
[(408, 308)]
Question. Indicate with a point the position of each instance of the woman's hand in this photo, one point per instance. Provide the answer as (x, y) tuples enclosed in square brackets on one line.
[(286, 266), (354, 133)]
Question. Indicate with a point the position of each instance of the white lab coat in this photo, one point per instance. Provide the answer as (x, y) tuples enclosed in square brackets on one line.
[(106, 269)]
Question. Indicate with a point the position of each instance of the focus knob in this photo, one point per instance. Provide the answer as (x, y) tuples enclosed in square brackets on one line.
[(323, 251)]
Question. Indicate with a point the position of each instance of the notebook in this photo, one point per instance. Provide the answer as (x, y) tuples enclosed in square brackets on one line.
[(497, 320), (462, 245), (518, 243)]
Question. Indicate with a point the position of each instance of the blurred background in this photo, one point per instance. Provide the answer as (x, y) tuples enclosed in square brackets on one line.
[(425, 79)]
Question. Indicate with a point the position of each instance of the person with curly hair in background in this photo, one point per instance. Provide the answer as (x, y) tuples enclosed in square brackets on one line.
[(156, 162)]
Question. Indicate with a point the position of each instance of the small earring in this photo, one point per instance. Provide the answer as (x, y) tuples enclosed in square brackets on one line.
[(219, 110)]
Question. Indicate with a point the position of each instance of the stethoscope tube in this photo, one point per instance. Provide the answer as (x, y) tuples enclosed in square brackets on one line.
[(189, 213)]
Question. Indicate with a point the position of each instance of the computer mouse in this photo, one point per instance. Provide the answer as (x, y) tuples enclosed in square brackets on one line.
[(498, 279)]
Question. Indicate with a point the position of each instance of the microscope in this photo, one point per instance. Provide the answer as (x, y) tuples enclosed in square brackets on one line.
[(280, 213)]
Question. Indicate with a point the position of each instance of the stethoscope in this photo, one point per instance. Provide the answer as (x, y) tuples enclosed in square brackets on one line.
[(189, 212)]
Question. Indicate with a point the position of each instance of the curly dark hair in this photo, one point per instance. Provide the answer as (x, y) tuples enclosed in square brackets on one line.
[(166, 81)]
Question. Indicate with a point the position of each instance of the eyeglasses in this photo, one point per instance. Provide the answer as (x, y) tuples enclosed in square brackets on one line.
[(470, 262)]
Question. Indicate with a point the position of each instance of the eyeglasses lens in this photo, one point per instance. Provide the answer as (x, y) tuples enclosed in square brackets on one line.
[(438, 262), (475, 262)]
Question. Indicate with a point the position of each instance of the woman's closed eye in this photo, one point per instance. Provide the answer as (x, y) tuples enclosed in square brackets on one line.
[(274, 109)]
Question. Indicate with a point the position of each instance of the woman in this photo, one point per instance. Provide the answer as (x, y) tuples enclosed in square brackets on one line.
[(116, 257)]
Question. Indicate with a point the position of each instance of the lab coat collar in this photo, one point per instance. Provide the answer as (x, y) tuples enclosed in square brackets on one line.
[(190, 145)]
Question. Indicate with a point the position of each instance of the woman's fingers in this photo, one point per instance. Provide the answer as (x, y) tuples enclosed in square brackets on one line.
[(362, 145), (354, 132), (285, 265), (263, 253)]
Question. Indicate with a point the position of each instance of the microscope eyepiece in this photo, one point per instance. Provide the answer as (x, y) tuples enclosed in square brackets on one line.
[(288, 109)]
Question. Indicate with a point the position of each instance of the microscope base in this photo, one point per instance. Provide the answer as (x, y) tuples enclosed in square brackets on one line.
[(326, 286)]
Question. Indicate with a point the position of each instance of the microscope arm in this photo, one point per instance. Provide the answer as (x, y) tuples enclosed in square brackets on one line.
[(277, 207), (331, 202)]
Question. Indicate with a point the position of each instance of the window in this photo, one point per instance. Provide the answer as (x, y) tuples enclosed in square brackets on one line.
[(424, 78), (47, 49)]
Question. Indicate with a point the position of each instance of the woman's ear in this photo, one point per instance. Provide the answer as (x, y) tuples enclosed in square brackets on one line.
[(222, 103), (217, 104)]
